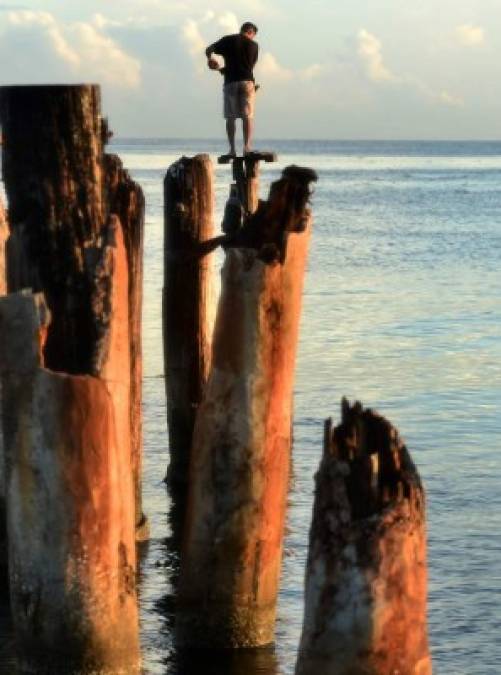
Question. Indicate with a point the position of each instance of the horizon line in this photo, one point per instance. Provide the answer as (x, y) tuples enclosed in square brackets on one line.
[(311, 140)]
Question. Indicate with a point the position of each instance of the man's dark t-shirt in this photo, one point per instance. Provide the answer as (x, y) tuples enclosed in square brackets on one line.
[(240, 56)]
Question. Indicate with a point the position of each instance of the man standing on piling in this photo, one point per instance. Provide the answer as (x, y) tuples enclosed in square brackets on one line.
[(240, 53)]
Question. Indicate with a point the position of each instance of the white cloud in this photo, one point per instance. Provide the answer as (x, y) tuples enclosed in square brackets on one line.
[(312, 72), (56, 50), (470, 36), (193, 39), (228, 22), (369, 50), (449, 99), (269, 68)]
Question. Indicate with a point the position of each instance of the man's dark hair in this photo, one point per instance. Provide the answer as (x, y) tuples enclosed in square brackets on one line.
[(247, 26)]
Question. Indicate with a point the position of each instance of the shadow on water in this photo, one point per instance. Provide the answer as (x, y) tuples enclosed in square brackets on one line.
[(261, 661)]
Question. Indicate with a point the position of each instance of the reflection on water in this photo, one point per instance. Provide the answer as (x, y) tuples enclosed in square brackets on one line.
[(224, 662)]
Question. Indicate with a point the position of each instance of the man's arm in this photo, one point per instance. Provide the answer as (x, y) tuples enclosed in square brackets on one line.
[(212, 49)]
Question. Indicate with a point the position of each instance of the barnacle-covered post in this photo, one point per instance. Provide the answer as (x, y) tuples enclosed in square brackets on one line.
[(66, 386), (366, 576), (187, 303), (239, 470)]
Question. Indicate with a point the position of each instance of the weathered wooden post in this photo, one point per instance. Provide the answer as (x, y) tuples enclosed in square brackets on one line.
[(66, 242), (365, 601), (239, 470), (70, 522), (4, 233), (126, 200), (187, 303)]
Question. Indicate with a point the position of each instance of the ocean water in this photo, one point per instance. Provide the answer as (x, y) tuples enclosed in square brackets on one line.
[(402, 311)]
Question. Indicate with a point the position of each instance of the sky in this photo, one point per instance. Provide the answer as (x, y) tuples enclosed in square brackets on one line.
[(329, 69)]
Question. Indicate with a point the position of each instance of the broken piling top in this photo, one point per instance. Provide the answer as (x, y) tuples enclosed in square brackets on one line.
[(381, 469), (366, 576)]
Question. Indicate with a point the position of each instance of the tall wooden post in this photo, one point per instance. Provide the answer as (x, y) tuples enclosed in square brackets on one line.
[(239, 471), (126, 199), (365, 601), (4, 233), (66, 242), (187, 303)]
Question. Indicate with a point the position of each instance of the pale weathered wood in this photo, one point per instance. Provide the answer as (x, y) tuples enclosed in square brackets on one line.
[(365, 600), (232, 544), (187, 303)]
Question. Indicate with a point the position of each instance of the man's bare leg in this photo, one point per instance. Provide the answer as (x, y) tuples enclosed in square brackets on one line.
[(248, 129), (230, 130)]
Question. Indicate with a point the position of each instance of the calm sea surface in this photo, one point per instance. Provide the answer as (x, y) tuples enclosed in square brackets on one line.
[(402, 310)]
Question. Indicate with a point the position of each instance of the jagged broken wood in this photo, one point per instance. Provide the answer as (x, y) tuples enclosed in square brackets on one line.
[(366, 576), (239, 470), (187, 303)]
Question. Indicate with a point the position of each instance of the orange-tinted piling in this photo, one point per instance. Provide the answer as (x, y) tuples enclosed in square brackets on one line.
[(239, 471), (69, 511), (366, 576), (126, 200), (71, 535)]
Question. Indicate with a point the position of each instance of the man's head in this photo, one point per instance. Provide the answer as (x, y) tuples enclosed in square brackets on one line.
[(248, 29)]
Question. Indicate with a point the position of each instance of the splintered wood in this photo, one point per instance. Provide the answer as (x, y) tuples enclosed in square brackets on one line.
[(366, 578)]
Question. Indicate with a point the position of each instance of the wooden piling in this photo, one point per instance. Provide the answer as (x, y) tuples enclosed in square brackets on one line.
[(239, 471), (69, 515), (365, 600), (66, 241), (4, 233), (126, 200), (187, 303), (63, 193)]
